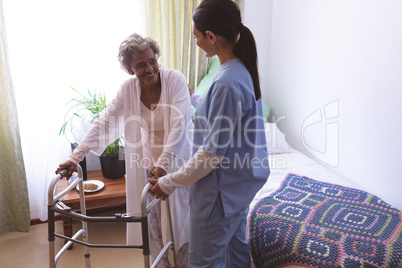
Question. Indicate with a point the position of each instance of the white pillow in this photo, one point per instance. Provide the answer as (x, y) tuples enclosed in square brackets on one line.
[(275, 139)]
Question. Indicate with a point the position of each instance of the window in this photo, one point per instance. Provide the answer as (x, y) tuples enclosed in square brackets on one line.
[(53, 45)]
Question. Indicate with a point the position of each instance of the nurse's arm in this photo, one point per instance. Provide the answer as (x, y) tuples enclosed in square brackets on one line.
[(195, 169)]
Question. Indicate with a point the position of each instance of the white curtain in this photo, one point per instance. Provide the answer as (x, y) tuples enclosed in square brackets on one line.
[(54, 45)]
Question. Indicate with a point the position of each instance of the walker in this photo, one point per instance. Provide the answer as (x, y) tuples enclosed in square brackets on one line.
[(54, 205)]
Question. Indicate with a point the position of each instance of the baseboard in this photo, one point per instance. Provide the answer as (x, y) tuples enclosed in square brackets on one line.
[(38, 221)]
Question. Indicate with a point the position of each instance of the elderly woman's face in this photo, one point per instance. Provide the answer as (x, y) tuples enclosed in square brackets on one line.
[(145, 66)]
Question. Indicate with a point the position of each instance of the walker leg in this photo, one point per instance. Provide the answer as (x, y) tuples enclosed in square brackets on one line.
[(172, 252), (51, 238), (145, 241), (87, 255)]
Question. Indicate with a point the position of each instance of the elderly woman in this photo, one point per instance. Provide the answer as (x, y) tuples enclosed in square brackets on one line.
[(153, 110)]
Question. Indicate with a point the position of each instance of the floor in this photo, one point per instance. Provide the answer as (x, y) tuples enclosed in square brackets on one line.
[(20, 250)]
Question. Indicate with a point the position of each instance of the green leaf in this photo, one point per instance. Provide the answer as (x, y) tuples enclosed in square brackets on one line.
[(88, 108)]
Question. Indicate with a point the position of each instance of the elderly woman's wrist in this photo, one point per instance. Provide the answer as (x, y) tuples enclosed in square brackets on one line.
[(161, 166), (164, 161)]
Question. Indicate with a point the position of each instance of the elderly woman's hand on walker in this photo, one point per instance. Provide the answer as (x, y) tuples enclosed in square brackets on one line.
[(70, 166), (156, 191), (153, 177)]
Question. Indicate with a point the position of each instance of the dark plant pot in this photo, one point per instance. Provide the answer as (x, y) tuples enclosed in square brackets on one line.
[(113, 167)]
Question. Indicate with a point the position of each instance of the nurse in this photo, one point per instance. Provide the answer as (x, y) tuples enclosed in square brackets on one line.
[(225, 171)]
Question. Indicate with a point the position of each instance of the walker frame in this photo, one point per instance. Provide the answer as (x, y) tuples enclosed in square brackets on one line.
[(56, 206)]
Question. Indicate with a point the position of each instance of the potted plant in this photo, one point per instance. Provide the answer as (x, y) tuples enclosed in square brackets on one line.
[(85, 109)]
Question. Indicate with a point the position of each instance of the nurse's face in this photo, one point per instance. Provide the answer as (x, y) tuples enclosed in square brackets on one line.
[(204, 42), (145, 66)]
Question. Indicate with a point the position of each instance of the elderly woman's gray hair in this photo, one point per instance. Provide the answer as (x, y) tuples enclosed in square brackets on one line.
[(133, 44)]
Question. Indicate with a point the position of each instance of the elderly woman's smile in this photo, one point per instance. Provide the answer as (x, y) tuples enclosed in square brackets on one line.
[(145, 66)]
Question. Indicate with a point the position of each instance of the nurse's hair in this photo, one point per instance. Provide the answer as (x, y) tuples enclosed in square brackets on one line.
[(135, 43), (222, 17)]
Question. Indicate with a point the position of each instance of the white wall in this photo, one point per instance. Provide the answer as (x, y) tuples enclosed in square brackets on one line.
[(346, 57)]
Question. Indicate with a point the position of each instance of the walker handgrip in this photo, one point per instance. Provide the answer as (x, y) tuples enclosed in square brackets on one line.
[(52, 186), (144, 193), (63, 173)]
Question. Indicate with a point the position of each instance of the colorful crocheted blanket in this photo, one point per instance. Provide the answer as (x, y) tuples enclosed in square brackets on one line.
[(315, 224)]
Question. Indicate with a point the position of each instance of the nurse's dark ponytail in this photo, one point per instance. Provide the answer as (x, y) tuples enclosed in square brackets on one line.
[(222, 17), (246, 50)]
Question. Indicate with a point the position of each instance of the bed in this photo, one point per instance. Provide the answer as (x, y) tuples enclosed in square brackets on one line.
[(307, 216)]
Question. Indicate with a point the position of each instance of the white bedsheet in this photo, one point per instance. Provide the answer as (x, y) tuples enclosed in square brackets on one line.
[(300, 164)]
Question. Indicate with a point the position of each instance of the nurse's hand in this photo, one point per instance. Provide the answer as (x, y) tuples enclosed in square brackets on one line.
[(156, 191), (190, 89)]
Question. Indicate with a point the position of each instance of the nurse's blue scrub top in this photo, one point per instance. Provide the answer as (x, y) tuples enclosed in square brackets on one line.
[(229, 122)]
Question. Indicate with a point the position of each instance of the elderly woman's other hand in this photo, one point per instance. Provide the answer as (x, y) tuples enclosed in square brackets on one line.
[(157, 172), (156, 190), (153, 177)]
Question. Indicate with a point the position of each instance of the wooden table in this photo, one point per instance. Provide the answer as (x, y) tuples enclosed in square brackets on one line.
[(113, 194)]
